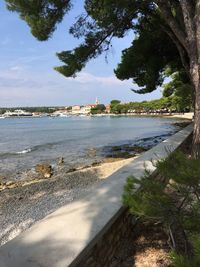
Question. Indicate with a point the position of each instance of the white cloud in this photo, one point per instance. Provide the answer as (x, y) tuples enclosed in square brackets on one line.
[(17, 68), (21, 86), (85, 77)]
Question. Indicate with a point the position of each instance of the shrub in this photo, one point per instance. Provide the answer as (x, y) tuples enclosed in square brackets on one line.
[(172, 198)]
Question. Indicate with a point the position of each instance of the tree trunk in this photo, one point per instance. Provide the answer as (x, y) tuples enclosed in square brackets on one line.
[(179, 239), (195, 70)]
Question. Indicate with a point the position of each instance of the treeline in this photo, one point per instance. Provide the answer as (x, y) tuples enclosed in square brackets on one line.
[(164, 104)]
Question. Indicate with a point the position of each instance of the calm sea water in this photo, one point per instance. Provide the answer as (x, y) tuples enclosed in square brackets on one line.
[(25, 142)]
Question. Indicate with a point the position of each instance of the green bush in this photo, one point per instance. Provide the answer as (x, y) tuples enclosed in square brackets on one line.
[(172, 198)]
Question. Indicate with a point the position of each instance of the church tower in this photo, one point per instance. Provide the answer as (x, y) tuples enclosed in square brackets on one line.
[(97, 101)]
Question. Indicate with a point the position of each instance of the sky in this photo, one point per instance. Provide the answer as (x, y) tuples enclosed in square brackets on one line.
[(27, 77)]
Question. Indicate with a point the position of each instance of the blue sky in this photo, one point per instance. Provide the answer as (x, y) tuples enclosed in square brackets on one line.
[(27, 77)]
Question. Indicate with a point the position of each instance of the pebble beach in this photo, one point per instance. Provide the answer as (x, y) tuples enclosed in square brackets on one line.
[(21, 207)]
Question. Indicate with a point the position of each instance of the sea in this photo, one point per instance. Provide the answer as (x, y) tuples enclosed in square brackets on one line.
[(25, 142)]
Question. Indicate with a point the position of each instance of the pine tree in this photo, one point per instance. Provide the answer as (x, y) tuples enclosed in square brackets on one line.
[(173, 199)]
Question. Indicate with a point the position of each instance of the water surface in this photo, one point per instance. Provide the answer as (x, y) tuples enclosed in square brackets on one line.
[(24, 142)]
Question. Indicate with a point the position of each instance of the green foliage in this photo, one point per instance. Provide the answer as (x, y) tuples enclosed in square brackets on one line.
[(152, 202), (181, 91), (179, 260), (182, 170), (41, 16), (69, 108), (174, 201), (162, 104), (148, 56), (100, 108), (115, 106), (115, 102)]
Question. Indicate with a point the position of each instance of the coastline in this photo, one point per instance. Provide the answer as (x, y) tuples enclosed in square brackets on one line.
[(186, 115), (25, 202)]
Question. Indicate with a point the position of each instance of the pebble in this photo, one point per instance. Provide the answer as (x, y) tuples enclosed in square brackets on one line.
[(28, 204)]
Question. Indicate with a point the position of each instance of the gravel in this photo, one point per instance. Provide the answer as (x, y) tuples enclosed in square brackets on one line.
[(21, 207)]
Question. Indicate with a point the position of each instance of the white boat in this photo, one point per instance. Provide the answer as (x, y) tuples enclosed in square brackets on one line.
[(63, 115), (17, 113)]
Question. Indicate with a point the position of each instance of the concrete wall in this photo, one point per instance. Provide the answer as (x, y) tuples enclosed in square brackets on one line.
[(81, 233)]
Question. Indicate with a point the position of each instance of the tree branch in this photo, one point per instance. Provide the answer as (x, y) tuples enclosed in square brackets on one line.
[(181, 50), (165, 9), (188, 15), (197, 21)]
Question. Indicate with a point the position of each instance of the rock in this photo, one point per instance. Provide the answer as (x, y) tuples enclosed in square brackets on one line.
[(47, 175), (139, 149), (12, 186), (9, 183), (44, 169), (120, 155), (92, 152), (61, 161), (95, 163), (116, 148)]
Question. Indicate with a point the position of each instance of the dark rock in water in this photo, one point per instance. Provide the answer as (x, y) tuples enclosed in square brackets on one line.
[(182, 124), (123, 155), (116, 148), (44, 169), (124, 151), (96, 163), (137, 149)]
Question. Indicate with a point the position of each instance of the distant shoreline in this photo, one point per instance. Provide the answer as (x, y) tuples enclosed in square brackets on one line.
[(187, 115)]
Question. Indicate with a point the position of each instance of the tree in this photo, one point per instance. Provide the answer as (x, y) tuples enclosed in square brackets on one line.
[(173, 199), (145, 62), (115, 106), (69, 108), (180, 89), (100, 108), (105, 19), (115, 102)]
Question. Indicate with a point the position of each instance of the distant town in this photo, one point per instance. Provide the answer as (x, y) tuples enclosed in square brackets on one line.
[(84, 110), (162, 106)]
